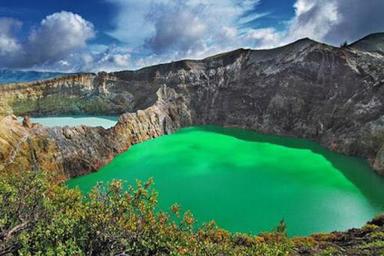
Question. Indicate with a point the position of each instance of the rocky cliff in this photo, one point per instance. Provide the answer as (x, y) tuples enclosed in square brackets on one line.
[(306, 89)]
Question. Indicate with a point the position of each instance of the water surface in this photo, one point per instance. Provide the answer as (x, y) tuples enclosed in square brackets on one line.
[(248, 182), (72, 121)]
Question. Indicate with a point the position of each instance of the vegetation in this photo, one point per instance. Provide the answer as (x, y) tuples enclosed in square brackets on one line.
[(57, 104), (41, 217), (344, 44), (38, 216)]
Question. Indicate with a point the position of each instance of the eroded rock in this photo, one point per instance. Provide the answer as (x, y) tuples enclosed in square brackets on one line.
[(306, 89)]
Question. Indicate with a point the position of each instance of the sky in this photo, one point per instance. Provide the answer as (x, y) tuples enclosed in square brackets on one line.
[(95, 35)]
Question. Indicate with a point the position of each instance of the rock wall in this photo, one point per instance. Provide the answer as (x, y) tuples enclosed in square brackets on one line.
[(306, 89), (74, 151), (27, 147), (75, 94)]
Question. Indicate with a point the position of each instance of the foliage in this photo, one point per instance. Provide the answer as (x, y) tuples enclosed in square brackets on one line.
[(40, 217), (344, 44)]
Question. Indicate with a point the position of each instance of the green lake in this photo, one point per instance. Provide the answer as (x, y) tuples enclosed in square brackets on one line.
[(248, 182)]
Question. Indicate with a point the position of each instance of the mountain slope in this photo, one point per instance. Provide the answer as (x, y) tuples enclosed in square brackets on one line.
[(371, 43), (306, 89)]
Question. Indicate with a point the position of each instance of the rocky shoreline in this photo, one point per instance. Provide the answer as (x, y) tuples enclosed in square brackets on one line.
[(331, 95), (334, 96)]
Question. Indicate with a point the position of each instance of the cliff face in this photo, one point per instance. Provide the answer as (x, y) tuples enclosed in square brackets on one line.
[(27, 147), (332, 95), (75, 94), (79, 150), (84, 149)]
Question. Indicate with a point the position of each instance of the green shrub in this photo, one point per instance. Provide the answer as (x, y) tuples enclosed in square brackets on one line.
[(344, 44), (40, 217)]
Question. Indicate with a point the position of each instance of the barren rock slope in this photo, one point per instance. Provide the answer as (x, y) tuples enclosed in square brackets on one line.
[(306, 89)]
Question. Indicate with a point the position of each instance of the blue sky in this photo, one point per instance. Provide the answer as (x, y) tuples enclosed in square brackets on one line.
[(93, 35)]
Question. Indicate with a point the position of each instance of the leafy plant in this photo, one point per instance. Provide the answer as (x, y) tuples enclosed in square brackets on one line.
[(344, 44), (41, 217)]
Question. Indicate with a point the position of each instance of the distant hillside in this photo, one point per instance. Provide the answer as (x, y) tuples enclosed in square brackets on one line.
[(14, 76), (306, 89), (371, 43)]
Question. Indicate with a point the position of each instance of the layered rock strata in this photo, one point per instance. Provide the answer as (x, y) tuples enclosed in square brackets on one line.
[(306, 89)]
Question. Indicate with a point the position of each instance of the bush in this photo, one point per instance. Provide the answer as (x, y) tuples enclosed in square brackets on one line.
[(40, 217), (344, 44)]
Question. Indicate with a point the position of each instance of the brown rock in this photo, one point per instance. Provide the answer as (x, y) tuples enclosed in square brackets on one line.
[(306, 89), (27, 122)]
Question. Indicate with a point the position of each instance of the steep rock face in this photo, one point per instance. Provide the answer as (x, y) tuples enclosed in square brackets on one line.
[(73, 151), (306, 89), (370, 43), (75, 94), (84, 149), (27, 147)]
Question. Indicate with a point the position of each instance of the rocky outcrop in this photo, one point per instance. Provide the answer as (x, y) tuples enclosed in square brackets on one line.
[(371, 43), (80, 150), (84, 149), (74, 94), (28, 147), (365, 241), (306, 89)]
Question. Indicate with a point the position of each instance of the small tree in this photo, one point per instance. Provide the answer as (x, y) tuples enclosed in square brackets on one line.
[(344, 44), (282, 227)]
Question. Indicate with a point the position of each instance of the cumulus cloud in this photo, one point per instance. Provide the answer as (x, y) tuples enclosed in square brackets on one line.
[(178, 28), (336, 21), (8, 41), (54, 39), (114, 58), (152, 31), (110, 59), (57, 35), (132, 24), (357, 19), (265, 37), (174, 29), (314, 18)]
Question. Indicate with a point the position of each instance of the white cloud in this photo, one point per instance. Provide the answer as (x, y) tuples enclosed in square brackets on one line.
[(264, 37), (58, 35), (112, 60), (132, 23), (253, 17), (303, 6), (181, 28), (121, 60), (229, 32), (314, 18), (153, 31), (9, 45), (219, 26), (334, 21)]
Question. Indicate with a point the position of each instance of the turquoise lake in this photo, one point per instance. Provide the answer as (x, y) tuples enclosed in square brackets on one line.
[(72, 121), (248, 182)]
